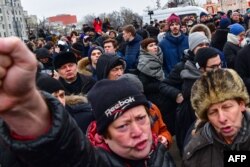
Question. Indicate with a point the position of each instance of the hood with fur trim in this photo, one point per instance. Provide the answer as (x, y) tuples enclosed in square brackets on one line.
[(75, 99), (201, 27), (84, 67)]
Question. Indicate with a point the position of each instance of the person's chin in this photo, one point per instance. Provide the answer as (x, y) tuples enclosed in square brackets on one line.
[(70, 78), (175, 32), (140, 154)]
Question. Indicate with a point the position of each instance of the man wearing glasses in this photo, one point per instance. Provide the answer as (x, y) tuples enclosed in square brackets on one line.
[(208, 59)]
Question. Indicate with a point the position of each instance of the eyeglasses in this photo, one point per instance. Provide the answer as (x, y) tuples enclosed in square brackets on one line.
[(215, 66)]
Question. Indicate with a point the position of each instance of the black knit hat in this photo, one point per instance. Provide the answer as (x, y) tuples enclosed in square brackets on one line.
[(111, 98), (63, 58), (42, 53), (77, 48), (203, 54), (49, 84)]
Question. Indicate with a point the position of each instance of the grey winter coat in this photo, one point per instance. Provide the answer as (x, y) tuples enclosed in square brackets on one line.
[(151, 65)]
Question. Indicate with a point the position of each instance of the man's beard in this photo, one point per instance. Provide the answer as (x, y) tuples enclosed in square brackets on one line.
[(175, 32)]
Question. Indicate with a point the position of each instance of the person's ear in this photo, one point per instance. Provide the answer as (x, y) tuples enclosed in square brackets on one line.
[(242, 106)]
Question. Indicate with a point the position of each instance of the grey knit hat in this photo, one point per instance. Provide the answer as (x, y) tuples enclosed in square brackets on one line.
[(196, 38), (135, 81)]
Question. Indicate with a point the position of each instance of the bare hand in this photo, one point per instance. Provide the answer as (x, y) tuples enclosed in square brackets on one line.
[(56, 75), (179, 98), (163, 140), (17, 72), (21, 103)]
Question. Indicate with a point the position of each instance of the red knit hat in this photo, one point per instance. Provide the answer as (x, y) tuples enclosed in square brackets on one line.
[(173, 18)]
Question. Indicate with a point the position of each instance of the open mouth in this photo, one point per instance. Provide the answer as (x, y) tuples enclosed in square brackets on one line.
[(227, 129), (141, 145)]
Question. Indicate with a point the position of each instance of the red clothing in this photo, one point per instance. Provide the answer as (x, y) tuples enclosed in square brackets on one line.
[(97, 25)]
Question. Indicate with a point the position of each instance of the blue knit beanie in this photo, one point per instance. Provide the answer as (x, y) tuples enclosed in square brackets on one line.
[(236, 29), (224, 23)]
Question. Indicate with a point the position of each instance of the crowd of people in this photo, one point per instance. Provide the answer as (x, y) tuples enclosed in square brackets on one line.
[(116, 98)]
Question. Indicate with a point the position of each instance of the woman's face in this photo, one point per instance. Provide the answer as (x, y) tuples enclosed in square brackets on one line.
[(152, 48), (130, 134)]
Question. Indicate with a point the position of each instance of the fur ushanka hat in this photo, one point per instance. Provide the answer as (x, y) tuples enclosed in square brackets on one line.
[(215, 87)]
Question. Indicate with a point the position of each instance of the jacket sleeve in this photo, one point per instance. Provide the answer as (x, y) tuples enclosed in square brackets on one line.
[(150, 85), (229, 55), (63, 145), (159, 126), (171, 86), (88, 81), (242, 66)]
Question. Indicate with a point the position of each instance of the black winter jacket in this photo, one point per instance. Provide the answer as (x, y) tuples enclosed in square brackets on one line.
[(64, 145), (80, 110), (242, 65), (230, 51), (185, 114), (219, 38), (7, 158), (170, 88), (82, 85)]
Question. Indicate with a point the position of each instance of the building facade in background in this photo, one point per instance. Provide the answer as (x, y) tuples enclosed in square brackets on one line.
[(12, 19), (61, 24), (32, 25), (63, 19), (225, 5)]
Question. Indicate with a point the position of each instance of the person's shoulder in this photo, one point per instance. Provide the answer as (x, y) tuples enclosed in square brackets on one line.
[(161, 155), (84, 77), (199, 141)]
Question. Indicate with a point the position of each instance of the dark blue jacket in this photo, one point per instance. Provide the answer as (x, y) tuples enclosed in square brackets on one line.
[(172, 48), (132, 53)]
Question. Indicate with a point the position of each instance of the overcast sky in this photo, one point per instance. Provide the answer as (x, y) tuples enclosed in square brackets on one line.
[(46, 8)]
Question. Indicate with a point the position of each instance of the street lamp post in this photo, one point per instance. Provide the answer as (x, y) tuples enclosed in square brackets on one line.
[(150, 13)]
